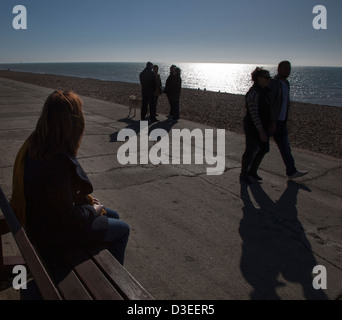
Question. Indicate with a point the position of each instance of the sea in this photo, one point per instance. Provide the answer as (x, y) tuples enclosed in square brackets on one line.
[(316, 85)]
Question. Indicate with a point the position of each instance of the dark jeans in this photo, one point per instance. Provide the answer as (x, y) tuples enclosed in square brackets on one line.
[(254, 152), (117, 235), (282, 140), (174, 109), (148, 101), (156, 98)]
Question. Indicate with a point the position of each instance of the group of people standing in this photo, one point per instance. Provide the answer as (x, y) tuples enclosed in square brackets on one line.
[(152, 89), (267, 108)]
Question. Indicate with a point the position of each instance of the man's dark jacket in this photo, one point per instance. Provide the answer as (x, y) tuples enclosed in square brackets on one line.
[(148, 82)]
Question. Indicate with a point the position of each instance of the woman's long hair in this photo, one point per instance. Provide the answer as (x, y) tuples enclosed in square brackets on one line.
[(60, 127)]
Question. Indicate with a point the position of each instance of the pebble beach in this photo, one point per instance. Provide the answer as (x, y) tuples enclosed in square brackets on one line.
[(312, 127)]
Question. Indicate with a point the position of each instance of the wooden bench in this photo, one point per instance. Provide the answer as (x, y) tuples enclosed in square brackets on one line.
[(84, 274)]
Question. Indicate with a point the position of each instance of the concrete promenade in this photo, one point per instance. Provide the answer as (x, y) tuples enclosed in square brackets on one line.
[(196, 236)]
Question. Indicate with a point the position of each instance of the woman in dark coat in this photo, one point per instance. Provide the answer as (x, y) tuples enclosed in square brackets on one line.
[(258, 125), (173, 90), (51, 191)]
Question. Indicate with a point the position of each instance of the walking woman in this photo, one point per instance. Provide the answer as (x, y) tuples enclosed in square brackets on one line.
[(51, 191), (258, 125)]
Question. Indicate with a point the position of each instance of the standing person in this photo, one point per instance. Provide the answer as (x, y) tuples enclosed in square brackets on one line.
[(159, 89), (148, 87), (258, 124), (174, 92), (280, 99), (51, 190), (168, 83)]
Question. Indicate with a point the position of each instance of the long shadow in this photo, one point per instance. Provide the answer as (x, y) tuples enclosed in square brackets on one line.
[(275, 246), (135, 126), (131, 124)]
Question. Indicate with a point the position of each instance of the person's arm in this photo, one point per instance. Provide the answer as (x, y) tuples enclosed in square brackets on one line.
[(252, 100), (153, 81), (60, 196), (276, 98), (167, 85), (178, 87)]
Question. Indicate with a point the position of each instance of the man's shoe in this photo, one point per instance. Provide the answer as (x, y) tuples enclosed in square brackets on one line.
[(298, 174), (254, 175)]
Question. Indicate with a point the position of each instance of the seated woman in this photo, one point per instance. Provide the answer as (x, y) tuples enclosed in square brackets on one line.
[(51, 191)]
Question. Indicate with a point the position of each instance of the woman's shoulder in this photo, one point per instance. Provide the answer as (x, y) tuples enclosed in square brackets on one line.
[(60, 160), (253, 94)]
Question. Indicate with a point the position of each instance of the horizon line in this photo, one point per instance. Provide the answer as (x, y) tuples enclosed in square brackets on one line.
[(167, 62)]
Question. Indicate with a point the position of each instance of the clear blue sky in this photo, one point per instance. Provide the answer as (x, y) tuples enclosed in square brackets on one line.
[(244, 31)]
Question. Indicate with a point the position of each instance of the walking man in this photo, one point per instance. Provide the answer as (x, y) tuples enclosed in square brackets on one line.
[(280, 99)]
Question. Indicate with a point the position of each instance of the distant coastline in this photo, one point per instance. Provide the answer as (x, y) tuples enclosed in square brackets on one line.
[(315, 85)]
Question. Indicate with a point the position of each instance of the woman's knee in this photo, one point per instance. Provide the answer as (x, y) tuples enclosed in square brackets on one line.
[(112, 214)]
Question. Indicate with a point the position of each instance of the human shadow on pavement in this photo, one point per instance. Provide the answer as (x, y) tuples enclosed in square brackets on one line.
[(275, 246), (131, 124), (135, 126)]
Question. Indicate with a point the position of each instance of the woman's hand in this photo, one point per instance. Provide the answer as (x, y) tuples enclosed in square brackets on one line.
[(98, 208), (96, 201)]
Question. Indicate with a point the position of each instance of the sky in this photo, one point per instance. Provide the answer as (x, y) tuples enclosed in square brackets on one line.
[(208, 31)]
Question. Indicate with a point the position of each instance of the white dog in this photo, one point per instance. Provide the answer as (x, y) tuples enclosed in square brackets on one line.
[(134, 103)]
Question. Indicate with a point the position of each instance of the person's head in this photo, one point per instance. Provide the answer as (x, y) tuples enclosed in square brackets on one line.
[(155, 68), (261, 77), (172, 68), (284, 69), (60, 126), (177, 71), (149, 65)]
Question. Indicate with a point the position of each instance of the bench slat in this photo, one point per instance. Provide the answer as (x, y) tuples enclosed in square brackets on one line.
[(3, 226), (65, 278), (91, 276), (38, 271), (119, 276)]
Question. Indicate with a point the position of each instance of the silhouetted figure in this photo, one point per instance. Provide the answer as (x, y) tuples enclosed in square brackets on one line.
[(51, 191), (159, 89), (148, 87), (258, 124), (168, 84), (173, 92), (275, 245), (280, 99)]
